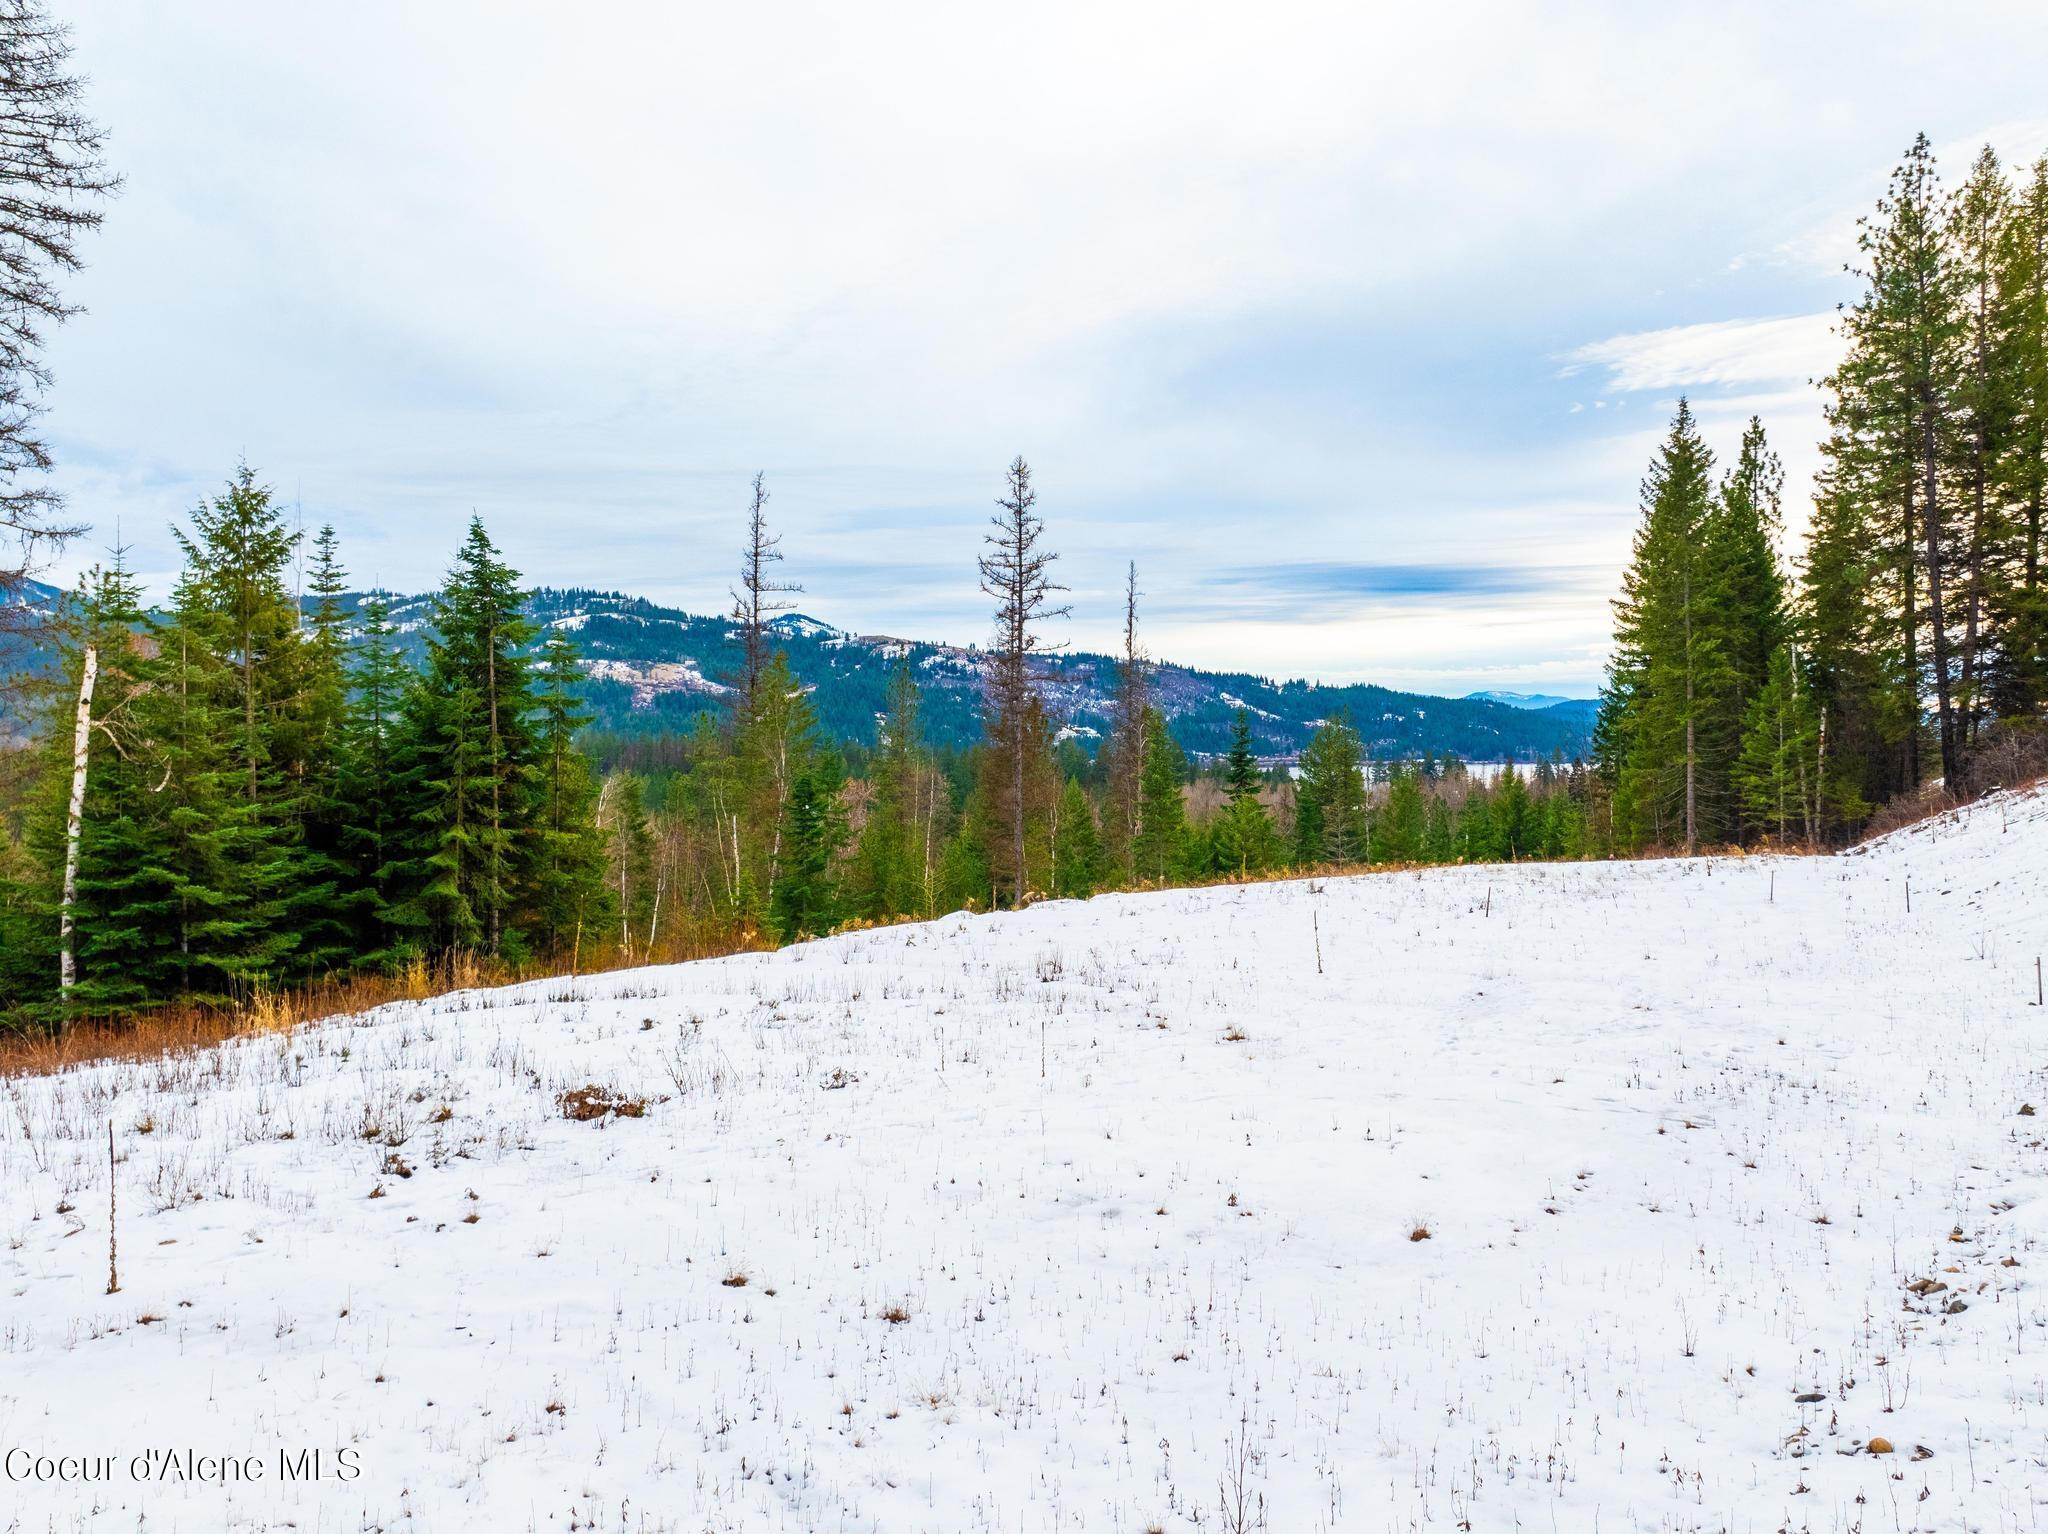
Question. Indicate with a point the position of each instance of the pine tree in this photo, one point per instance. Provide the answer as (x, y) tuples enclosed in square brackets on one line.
[(1242, 841), (1669, 674), (775, 745), (1241, 775), (2017, 596), (370, 841), (1439, 835), (467, 766), (1984, 409), (119, 883), (568, 865), (1778, 771), (1907, 342), (233, 869), (894, 870), (1330, 814), (1162, 814), (1077, 849), (635, 889), (807, 894), (1401, 828), (1746, 605), (1516, 830)]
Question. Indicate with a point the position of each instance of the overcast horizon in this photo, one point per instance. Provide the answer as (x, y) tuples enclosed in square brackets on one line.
[(1313, 339)]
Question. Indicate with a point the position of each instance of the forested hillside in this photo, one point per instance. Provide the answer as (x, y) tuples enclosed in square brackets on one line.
[(654, 668)]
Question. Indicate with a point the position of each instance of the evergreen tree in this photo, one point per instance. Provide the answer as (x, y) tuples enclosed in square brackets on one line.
[(568, 864), (1077, 849), (807, 894), (1242, 840), (1779, 770), (1906, 343), (635, 889), (1162, 815), (894, 869), (467, 768), (1329, 813), (775, 746), (1401, 827), (369, 836), (1517, 832), (1439, 834), (2017, 596), (1241, 775), (241, 623), (1747, 605), (1670, 674)]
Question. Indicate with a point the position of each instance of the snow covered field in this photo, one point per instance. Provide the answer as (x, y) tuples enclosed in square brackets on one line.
[(1103, 1217)]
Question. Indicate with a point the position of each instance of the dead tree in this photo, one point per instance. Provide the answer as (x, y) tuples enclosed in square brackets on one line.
[(1127, 732), (1016, 571), (758, 598)]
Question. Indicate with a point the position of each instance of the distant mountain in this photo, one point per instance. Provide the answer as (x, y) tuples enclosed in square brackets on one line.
[(1531, 701), (653, 669)]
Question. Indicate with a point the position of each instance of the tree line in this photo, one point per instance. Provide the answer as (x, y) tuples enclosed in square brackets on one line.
[(251, 788), (1910, 644)]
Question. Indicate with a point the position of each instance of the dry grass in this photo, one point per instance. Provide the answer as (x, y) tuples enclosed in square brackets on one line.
[(175, 1029), (595, 1102)]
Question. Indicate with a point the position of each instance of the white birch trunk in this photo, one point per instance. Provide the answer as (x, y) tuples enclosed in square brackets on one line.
[(74, 820)]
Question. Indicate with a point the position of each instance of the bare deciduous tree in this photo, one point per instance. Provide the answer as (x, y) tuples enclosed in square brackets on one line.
[(51, 171)]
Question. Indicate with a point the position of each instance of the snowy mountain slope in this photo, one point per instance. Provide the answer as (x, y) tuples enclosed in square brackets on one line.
[(1042, 1217)]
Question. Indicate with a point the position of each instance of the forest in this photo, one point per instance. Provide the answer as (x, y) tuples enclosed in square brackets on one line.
[(1907, 654)]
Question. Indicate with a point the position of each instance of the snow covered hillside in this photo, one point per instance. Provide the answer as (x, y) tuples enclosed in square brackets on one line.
[(1103, 1217)]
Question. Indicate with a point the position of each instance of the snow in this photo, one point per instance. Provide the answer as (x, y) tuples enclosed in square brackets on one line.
[(1231, 700), (1138, 1176), (651, 678)]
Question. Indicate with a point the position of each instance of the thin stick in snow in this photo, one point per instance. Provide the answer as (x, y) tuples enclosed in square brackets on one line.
[(113, 1273)]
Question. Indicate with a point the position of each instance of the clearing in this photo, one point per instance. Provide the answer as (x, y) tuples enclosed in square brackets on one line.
[(1103, 1217)]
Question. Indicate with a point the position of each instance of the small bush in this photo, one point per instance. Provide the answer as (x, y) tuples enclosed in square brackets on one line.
[(595, 1102)]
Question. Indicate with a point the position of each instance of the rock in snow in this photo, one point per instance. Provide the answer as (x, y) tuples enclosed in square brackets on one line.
[(1096, 1217)]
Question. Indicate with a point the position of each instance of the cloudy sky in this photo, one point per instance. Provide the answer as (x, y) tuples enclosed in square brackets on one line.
[(1353, 325)]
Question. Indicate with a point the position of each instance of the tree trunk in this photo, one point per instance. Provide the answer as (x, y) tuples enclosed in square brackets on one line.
[(1692, 829), (1908, 573), (1943, 701), (74, 821)]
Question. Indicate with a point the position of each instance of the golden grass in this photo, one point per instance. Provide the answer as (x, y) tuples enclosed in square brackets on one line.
[(178, 1027)]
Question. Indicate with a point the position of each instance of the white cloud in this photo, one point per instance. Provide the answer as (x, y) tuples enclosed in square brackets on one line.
[(1720, 352), (585, 276)]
